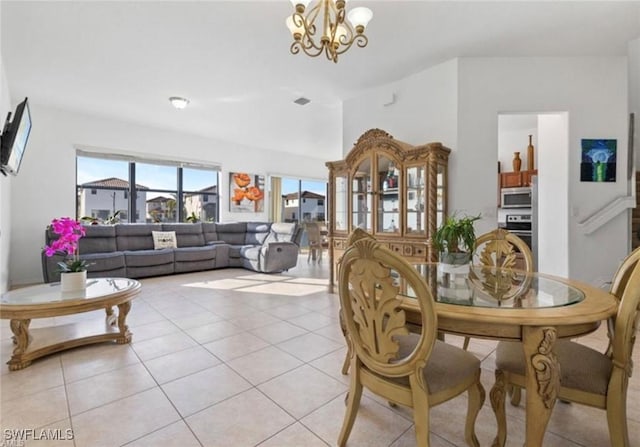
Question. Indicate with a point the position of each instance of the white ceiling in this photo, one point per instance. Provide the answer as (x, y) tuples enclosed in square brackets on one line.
[(232, 60)]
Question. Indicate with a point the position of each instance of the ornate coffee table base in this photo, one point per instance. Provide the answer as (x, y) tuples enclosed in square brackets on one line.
[(36, 343)]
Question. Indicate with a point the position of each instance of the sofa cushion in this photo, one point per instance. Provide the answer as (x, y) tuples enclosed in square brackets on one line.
[(145, 258), (187, 234), (281, 232), (135, 236), (237, 251), (209, 232), (190, 254), (150, 270), (98, 239), (250, 252), (99, 262), (256, 233), (164, 239), (232, 233)]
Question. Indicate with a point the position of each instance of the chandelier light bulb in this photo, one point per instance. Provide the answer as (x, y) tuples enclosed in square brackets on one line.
[(178, 102), (360, 16), (295, 29), (341, 33), (304, 3)]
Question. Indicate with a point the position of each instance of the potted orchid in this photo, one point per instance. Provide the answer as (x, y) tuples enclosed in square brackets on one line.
[(73, 269)]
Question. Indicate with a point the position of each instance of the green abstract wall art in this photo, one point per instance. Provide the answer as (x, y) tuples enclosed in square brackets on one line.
[(598, 161)]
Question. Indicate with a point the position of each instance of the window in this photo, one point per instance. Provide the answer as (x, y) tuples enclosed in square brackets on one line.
[(164, 191), (100, 214), (292, 190), (99, 182), (200, 194)]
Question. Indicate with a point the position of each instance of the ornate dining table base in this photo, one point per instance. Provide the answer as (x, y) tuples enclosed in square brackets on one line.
[(542, 385), (35, 343)]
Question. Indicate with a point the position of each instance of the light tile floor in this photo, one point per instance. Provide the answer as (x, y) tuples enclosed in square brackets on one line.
[(234, 358)]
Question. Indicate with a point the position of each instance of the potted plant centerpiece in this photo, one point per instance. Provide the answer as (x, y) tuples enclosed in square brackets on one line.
[(455, 241), (73, 270)]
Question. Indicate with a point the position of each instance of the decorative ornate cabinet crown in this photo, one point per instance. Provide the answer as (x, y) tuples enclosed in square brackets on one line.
[(391, 189)]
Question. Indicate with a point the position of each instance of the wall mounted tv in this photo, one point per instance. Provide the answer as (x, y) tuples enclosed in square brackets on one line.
[(14, 139)]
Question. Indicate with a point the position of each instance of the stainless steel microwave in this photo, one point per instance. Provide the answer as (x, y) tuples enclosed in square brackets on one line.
[(515, 197)]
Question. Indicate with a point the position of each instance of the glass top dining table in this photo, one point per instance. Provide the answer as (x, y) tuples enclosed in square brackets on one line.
[(502, 304), (480, 286)]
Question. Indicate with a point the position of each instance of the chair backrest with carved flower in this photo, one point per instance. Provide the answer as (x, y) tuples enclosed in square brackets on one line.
[(499, 248), (618, 286), (388, 359), (370, 296)]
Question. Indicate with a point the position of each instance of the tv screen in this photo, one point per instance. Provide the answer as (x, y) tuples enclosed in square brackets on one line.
[(14, 139)]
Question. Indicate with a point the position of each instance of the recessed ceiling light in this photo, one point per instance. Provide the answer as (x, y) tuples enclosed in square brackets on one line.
[(178, 102)]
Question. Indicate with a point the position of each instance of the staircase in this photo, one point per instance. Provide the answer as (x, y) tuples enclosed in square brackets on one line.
[(635, 217)]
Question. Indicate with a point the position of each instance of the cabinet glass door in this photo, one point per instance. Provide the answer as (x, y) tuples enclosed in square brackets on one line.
[(388, 182), (361, 197), (416, 200), (341, 196)]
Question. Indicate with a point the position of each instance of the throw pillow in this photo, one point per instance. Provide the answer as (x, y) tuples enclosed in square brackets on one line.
[(164, 239)]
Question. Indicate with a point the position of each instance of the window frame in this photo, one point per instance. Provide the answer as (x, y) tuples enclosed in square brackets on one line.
[(131, 193)]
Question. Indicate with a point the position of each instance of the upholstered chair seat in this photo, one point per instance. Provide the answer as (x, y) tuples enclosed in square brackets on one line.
[(587, 376), (447, 366), (581, 367)]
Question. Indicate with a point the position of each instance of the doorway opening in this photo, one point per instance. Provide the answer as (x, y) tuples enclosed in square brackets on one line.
[(544, 172)]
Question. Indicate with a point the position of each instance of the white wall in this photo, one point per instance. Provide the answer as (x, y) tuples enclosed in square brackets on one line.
[(553, 194), (5, 187), (45, 187), (424, 109), (594, 93), (461, 109), (634, 93)]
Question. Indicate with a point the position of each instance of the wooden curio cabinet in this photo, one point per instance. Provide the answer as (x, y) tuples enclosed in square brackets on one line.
[(393, 190)]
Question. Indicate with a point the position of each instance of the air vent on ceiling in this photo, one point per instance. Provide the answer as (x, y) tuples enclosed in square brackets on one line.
[(301, 101)]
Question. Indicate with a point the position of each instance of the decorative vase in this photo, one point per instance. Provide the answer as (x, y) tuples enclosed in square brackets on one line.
[(73, 281), (517, 162), (530, 165), (452, 265)]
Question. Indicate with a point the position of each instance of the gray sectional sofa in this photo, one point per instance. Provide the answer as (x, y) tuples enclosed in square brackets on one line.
[(127, 250)]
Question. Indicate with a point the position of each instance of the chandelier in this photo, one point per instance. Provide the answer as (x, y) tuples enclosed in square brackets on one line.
[(337, 35)]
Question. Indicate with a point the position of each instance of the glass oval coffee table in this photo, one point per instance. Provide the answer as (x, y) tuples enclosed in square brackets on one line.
[(46, 300)]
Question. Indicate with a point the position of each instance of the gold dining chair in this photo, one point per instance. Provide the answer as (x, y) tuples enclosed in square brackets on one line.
[(314, 237), (587, 376), (499, 248), (618, 285), (414, 370)]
